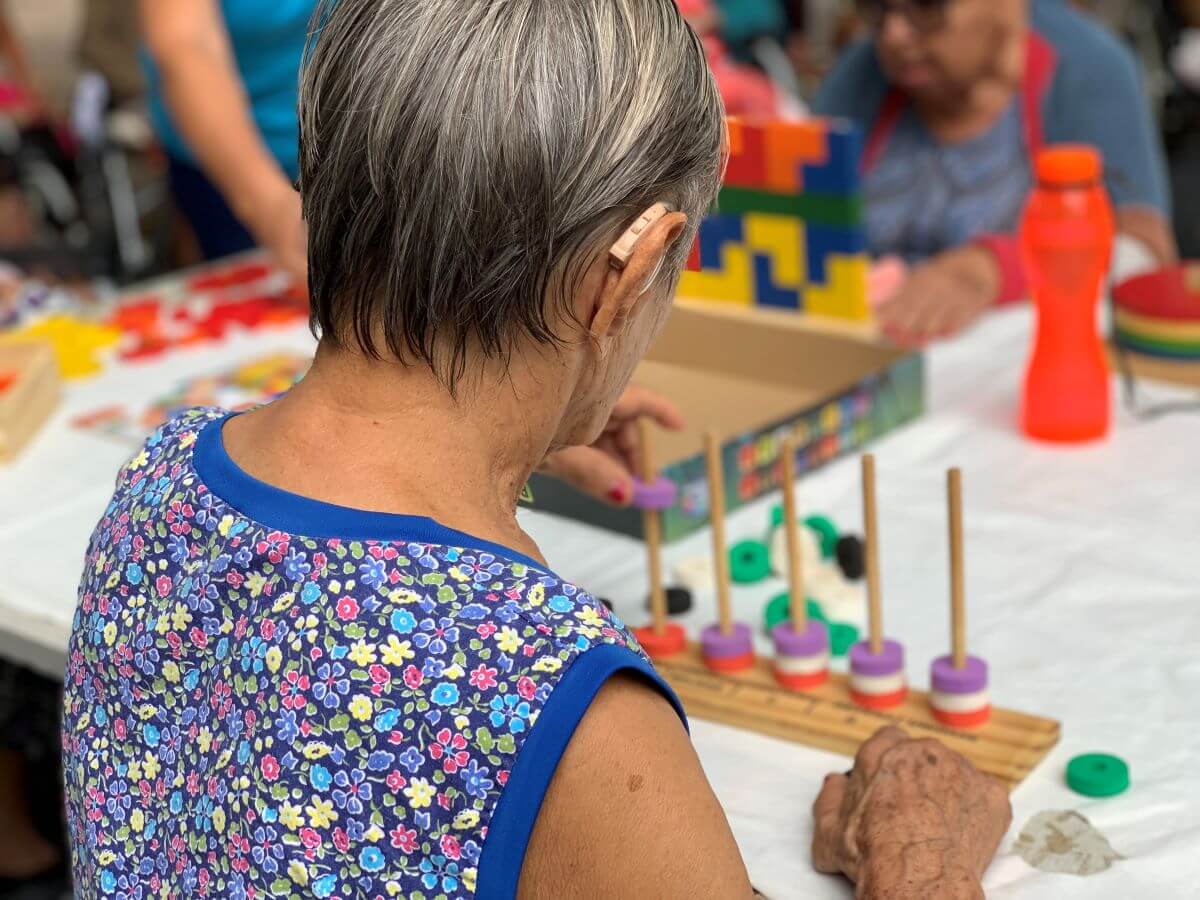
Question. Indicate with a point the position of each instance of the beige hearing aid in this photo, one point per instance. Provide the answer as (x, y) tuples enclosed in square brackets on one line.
[(618, 256)]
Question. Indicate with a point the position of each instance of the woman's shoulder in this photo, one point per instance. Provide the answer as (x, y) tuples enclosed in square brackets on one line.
[(1084, 47), (855, 87)]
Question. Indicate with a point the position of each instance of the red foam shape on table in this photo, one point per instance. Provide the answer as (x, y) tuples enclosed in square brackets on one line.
[(231, 277), (748, 157), (1163, 294), (802, 682), (670, 642), (962, 720), (7, 379), (731, 663), (146, 349), (880, 701)]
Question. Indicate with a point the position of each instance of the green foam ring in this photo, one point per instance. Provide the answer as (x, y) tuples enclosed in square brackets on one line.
[(841, 638), (827, 532), (778, 609), (749, 562)]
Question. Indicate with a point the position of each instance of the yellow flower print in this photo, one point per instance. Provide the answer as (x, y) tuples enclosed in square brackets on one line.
[(274, 658), (420, 793), (360, 707), (255, 583), (137, 820), (536, 595), (290, 816), (171, 671), (218, 819), (547, 664), (204, 739), (316, 750), (590, 633), (508, 640), (404, 595), (110, 633), (180, 617), (458, 574), (393, 888), (284, 601), (140, 460), (106, 858), (461, 722), (590, 616), (397, 651), (135, 771), (374, 834), (468, 877), (163, 625), (453, 672), (146, 711), (362, 653), (468, 818), (335, 586), (320, 813), (298, 874), (225, 525), (151, 767)]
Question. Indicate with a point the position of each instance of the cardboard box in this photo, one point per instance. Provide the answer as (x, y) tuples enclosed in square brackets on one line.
[(753, 376), (29, 392)]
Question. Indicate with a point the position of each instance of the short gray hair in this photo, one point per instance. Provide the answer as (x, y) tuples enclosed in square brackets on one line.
[(463, 162)]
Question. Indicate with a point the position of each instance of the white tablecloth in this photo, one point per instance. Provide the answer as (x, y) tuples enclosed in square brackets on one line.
[(1082, 585)]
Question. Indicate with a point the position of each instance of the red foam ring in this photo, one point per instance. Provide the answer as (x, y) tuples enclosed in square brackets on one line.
[(670, 642), (962, 720), (795, 682), (7, 379), (731, 663), (880, 701)]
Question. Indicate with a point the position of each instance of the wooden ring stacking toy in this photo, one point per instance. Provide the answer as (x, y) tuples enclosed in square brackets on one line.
[(958, 697), (658, 495), (877, 678), (801, 657), (958, 683), (731, 651), (661, 643)]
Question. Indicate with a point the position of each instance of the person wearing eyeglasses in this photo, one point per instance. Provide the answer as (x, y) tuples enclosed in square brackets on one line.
[(955, 98)]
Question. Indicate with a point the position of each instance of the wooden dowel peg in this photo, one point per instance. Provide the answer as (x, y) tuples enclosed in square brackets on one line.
[(871, 538), (716, 507), (958, 610), (797, 601), (652, 532)]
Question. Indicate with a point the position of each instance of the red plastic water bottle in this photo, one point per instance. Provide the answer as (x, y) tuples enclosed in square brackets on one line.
[(1066, 244)]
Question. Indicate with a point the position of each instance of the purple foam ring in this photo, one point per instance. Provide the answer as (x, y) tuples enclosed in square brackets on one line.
[(659, 495), (810, 642), (715, 644), (889, 661), (970, 679)]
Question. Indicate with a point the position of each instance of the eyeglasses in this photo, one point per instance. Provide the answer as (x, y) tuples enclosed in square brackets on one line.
[(923, 15)]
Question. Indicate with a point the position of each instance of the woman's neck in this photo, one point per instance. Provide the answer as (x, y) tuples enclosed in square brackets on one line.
[(972, 111), (381, 437)]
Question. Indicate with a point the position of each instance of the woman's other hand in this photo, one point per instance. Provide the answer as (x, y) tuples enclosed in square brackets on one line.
[(913, 821), (941, 298)]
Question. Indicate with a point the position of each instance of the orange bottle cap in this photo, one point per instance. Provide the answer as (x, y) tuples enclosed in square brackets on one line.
[(1068, 164)]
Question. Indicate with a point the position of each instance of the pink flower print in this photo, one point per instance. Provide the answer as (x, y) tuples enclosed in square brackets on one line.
[(483, 677), (395, 781), (450, 846), (404, 839), (413, 677), (163, 585), (486, 629), (450, 744), (341, 840), (270, 767), (347, 609), (267, 629), (526, 688)]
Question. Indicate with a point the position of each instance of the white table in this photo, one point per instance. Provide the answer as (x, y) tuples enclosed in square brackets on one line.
[(1083, 593)]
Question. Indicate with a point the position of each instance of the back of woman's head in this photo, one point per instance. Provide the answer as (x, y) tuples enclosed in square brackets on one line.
[(462, 164)]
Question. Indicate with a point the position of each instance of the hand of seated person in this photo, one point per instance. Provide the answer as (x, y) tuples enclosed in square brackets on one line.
[(606, 469), (941, 297), (913, 821)]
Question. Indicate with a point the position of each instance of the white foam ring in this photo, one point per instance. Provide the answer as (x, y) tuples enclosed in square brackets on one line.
[(959, 703), (802, 665), (877, 684)]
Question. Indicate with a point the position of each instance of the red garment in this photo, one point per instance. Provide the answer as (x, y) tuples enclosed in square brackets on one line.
[(744, 90)]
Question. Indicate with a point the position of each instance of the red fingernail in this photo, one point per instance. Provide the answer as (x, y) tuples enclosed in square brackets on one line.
[(619, 494)]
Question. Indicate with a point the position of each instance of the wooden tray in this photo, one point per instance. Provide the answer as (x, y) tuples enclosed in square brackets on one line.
[(28, 400), (1010, 746)]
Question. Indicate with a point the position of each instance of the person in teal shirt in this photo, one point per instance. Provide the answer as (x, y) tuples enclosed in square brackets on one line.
[(223, 78)]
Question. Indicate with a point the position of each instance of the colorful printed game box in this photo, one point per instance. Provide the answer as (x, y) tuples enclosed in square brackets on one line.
[(788, 231)]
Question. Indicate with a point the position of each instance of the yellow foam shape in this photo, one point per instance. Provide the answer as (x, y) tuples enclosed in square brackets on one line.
[(76, 342), (732, 283), (844, 296), (782, 239)]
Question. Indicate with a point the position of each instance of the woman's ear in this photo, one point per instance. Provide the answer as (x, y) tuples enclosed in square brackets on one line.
[(634, 262)]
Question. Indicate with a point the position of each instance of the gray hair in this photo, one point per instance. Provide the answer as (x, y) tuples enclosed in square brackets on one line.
[(463, 162)]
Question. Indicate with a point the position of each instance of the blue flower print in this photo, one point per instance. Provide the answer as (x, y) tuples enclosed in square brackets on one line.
[(319, 778), (437, 870), (412, 759), (371, 859), (177, 546), (133, 573), (387, 720), (509, 710), (351, 792), (403, 622), (295, 565), (330, 684), (475, 779), (445, 694), (373, 572), (324, 886), (311, 593)]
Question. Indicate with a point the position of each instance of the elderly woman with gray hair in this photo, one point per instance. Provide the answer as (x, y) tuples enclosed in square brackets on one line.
[(314, 652)]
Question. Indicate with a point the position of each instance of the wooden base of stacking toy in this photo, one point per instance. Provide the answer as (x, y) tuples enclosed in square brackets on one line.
[(1009, 746)]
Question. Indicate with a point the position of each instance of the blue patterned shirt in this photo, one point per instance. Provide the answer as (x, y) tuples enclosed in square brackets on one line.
[(270, 696)]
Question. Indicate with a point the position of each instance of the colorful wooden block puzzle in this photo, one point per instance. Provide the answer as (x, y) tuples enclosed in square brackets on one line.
[(788, 231)]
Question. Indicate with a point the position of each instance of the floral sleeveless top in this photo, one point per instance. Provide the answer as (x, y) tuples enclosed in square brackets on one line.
[(269, 696)]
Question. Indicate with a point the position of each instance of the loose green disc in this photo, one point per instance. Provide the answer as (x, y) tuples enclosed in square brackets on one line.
[(778, 609), (827, 532), (841, 638), (749, 562), (1098, 775)]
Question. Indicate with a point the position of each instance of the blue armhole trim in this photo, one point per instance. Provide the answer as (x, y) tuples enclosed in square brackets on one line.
[(515, 814)]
